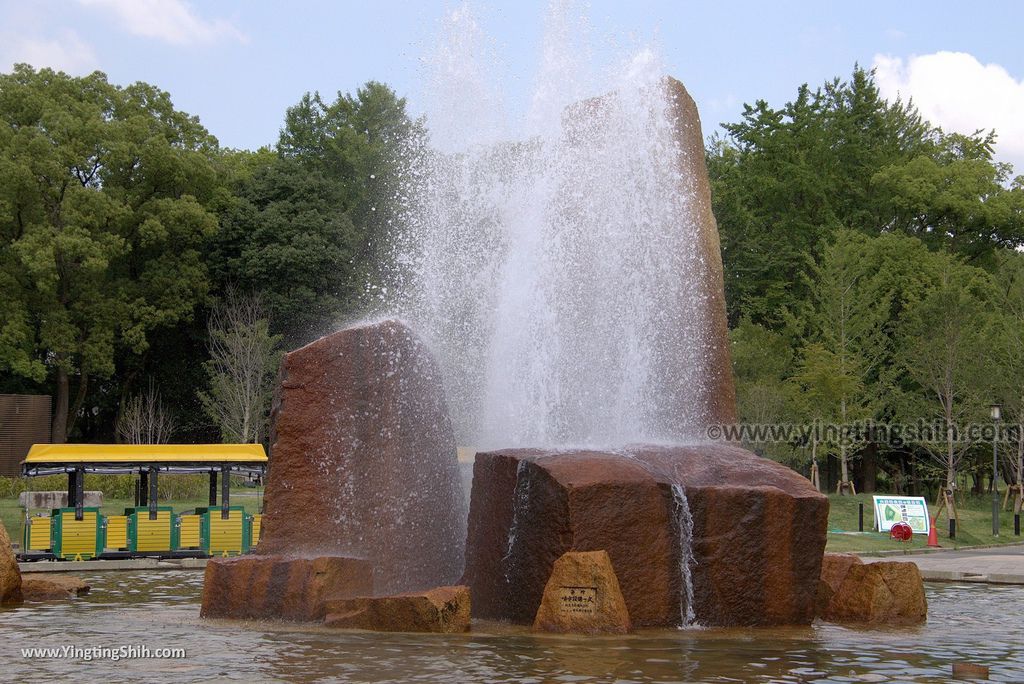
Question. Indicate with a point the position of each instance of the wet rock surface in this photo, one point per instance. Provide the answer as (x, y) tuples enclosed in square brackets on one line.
[(881, 593), (363, 460), (717, 377), (10, 576), (443, 610), (583, 596), (758, 532), (51, 586), (279, 587)]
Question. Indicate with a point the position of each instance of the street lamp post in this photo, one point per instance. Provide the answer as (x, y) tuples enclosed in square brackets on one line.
[(996, 415)]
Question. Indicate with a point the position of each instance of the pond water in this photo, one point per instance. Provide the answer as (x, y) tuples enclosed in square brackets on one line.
[(160, 609)]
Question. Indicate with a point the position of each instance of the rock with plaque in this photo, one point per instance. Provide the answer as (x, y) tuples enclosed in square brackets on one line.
[(583, 596)]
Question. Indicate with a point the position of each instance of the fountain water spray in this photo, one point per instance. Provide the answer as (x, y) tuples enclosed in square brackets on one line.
[(559, 277)]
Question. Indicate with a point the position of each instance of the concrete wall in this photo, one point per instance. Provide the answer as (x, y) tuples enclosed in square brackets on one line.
[(48, 500), (24, 421)]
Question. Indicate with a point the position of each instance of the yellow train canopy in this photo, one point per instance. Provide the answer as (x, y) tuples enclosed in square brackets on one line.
[(45, 459)]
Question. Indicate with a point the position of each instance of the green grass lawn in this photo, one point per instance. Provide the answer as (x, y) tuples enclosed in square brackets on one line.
[(973, 529), (13, 516)]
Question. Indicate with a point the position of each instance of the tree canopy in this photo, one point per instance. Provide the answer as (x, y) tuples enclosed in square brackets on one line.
[(105, 209)]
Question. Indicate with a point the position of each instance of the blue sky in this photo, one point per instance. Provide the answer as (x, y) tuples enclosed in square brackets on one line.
[(238, 64)]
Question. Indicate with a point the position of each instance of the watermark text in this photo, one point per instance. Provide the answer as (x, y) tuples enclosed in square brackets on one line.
[(90, 653)]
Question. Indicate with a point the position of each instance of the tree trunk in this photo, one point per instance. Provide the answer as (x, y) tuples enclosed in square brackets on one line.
[(869, 468), (844, 469), (915, 481), (59, 431), (1019, 475), (950, 462), (83, 388)]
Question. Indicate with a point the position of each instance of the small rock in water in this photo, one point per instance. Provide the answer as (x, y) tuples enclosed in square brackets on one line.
[(583, 596), (969, 671), (51, 586), (885, 592), (443, 610)]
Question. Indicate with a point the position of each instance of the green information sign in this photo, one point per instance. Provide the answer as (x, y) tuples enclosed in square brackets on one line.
[(909, 509)]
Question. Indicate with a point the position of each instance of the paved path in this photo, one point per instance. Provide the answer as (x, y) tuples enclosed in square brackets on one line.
[(119, 564), (996, 565)]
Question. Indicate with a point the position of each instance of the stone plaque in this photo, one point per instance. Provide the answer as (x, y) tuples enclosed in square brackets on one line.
[(582, 596), (577, 600)]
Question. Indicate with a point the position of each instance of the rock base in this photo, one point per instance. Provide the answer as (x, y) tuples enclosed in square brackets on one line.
[(444, 610), (583, 597), (883, 593), (758, 532), (280, 587)]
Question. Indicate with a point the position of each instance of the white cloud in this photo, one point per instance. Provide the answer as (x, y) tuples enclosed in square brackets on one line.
[(65, 52), (172, 21), (955, 91)]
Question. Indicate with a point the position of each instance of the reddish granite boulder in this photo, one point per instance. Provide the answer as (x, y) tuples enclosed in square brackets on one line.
[(10, 576), (363, 460), (276, 587), (758, 531), (882, 593), (444, 610), (719, 393)]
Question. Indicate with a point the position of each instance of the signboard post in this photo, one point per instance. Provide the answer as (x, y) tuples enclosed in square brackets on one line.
[(911, 510)]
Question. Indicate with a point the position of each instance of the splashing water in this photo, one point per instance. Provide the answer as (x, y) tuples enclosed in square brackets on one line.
[(520, 502), (558, 279), (684, 522)]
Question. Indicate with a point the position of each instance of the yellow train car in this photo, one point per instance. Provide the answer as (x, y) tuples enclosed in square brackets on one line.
[(188, 526), (76, 535), (146, 529), (255, 529), (116, 536), (37, 533)]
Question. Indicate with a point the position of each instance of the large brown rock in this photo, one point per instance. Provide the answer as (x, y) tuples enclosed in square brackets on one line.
[(716, 379), (277, 587), (444, 609), (363, 460), (882, 593), (582, 596), (51, 586), (10, 576), (758, 531)]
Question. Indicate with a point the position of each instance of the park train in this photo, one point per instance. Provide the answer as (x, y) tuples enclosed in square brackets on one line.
[(79, 532)]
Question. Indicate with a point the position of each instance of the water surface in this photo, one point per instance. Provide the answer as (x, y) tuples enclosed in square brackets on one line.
[(975, 623)]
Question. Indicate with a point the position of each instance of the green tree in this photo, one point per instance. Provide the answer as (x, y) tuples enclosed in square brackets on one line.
[(308, 224), (849, 371), (1007, 336), (285, 238), (957, 199), (841, 157), (945, 354), (103, 215), (762, 359), (783, 180)]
